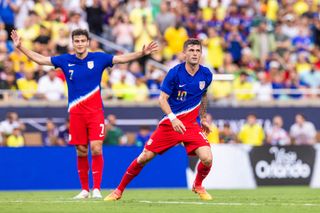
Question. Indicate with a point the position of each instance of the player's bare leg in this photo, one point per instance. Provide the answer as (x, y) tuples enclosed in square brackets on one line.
[(97, 167), (83, 169), (203, 169), (132, 171)]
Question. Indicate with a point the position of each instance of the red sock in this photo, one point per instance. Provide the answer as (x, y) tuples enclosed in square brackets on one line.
[(97, 168), (132, 171), (83, 169), (202, 173)]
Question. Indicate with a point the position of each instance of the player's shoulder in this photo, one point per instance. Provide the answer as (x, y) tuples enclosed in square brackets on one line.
[(176, 68), (65, 55), (205, 70), (98, 53)]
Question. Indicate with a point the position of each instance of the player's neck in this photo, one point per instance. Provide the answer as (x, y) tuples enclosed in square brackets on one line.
[(82, 55), (192, 68)]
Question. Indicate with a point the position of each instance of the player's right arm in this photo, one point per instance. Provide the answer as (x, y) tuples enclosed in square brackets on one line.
[(176, 123), (36, 57)]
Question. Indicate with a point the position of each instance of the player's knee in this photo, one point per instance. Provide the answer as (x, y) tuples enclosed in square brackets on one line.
[(96, 150), (145, 157), (82, 151), (207, 161)]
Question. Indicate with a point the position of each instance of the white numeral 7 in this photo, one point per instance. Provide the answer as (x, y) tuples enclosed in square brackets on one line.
[(71, 73), (102, 130)]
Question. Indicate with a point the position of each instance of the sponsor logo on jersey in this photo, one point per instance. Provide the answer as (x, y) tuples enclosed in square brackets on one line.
[(71, 65), (90, 64), (182, 85), (202, 84)]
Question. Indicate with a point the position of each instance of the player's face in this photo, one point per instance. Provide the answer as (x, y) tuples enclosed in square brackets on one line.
[(193, 54), (80, 44)]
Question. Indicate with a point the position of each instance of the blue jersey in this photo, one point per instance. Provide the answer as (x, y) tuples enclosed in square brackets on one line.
[(185, 91), (83, 78)]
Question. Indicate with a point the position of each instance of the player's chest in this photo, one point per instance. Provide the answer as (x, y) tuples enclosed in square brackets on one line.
[(82, 71), (191, 85)]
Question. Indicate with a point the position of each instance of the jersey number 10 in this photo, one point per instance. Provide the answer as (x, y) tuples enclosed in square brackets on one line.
[(182, 95)]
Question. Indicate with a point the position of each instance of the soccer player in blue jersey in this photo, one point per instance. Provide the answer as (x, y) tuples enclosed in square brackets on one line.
[(183, 100), (83, 71)]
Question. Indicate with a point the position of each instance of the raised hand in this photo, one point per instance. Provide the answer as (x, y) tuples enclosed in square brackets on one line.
[(16, 38), (150, 48)]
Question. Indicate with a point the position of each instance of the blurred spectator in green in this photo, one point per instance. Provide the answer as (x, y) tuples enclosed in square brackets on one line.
[(114, 135)]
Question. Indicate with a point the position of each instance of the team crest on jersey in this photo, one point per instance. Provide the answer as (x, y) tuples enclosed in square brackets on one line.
[(202, 84), (90, 64)]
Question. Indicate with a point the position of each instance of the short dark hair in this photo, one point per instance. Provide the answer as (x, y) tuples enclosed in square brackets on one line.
[(78, 32), (191, 41)]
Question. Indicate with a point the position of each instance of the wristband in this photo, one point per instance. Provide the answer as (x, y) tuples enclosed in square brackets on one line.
[(171, 116)]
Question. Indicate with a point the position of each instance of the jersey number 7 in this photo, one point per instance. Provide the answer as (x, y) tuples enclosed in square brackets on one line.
[(71, 74)]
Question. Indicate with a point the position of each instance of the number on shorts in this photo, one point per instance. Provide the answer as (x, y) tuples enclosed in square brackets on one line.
[(102, 130), (203, 135)]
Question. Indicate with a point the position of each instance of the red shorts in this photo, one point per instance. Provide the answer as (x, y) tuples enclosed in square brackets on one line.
[(86, 127), (165, 137)]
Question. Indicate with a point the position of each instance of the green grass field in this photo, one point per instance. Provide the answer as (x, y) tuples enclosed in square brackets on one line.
[(265, 199)]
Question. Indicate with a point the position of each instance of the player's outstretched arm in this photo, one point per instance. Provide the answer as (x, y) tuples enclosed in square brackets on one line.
[(176, 123), (36, 57), (146, 50), (203, 110)]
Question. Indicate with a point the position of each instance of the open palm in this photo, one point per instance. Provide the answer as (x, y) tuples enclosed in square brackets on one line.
[(15, 38), (150, 48)]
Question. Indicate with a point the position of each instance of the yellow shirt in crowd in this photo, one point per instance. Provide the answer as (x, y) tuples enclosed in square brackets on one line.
[(175, 39), (272, 10), (213, 136), (251, 135), (220, 89), (243, 91), (300, 7), (15, 141), (215, 52), (28, 88)]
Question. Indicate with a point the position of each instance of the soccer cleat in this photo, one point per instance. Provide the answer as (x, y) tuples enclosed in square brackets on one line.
[(84, 194), (113, 196), (201, 191), (96, 194)]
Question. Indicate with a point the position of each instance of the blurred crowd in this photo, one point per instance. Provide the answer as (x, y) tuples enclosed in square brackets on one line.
[(269, 47), (251, 132)]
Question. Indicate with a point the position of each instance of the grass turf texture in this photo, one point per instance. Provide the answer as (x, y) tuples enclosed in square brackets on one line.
[(263, 199)]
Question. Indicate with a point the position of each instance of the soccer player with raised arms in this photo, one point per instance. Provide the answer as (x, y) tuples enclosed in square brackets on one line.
[(183, 99), (83, 71)]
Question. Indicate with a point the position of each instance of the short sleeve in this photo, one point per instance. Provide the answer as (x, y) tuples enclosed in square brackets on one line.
[(107, 59), (57, 61), (168, 82), (209, 78)]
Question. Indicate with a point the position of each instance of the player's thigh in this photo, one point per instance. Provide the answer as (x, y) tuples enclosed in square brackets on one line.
[(163, 138), (78, 130), (193, 139), (96, 126)]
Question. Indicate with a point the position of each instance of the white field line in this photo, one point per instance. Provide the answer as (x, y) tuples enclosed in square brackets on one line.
[(48, 201), (227, 204), (163, 202)]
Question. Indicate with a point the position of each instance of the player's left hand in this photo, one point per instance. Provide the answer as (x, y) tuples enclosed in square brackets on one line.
[(205, 126), (150, 48)]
